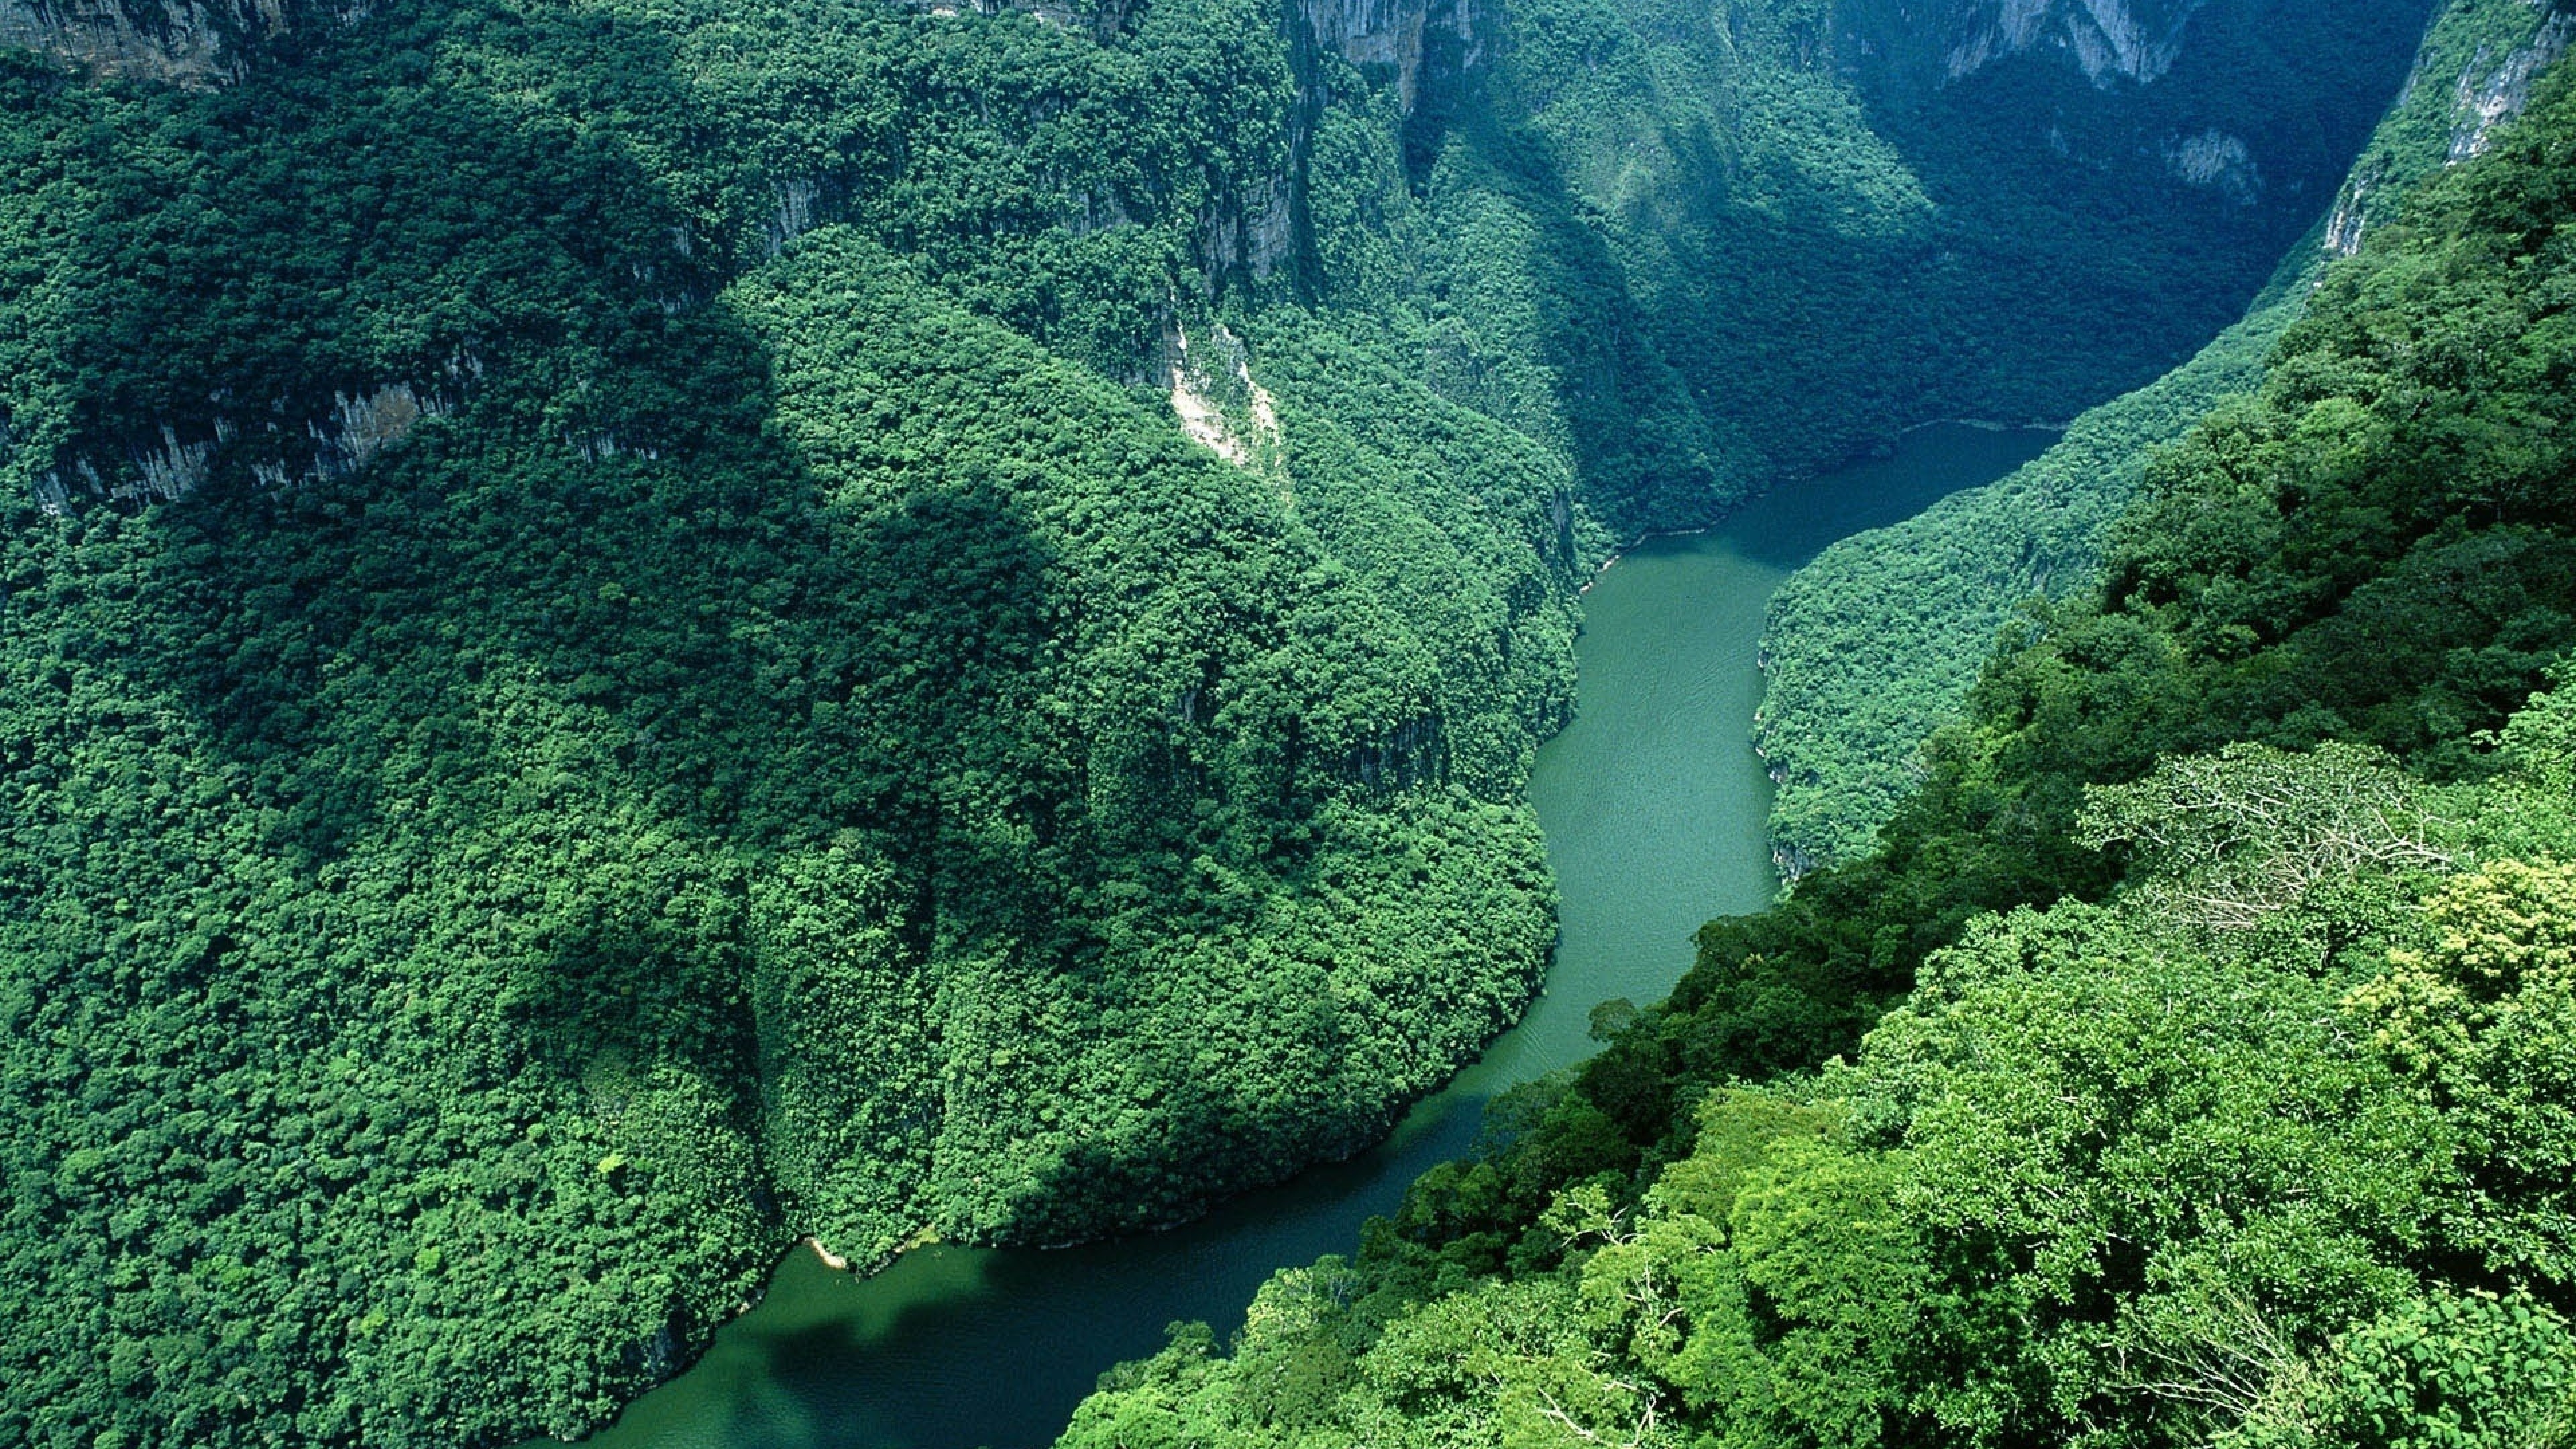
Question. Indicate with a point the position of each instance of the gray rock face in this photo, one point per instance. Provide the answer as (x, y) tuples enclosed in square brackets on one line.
[(178, 42), (2109, 41), (1392, 37), (2129, 39), (2486, 99), (2216, 161)]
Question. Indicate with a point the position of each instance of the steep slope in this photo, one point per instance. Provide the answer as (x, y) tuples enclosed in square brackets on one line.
[(1873, 645), (637, 630), (1753, 242), (2221, 1090), (690, 748)]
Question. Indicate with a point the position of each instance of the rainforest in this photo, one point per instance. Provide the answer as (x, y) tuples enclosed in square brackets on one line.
[(638, 632)]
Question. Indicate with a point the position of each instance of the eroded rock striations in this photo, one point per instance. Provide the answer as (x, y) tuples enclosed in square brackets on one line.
[(2109, 41), (181, 42)]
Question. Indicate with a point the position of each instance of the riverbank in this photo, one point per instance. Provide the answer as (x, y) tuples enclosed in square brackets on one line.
[(1885, 452), (1654, 808)]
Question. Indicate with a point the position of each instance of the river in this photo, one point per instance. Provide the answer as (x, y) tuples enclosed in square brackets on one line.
[(1653, 805)]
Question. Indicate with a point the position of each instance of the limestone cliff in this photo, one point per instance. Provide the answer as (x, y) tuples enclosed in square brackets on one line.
[(182, 42), (2485, 99), (2490, 87), (1932, 592), (2104, 38), (1399, 39), (2109, 41)]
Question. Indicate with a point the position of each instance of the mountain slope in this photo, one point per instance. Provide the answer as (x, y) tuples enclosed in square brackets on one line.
[(1874, 644), (2214, 1087), (634, 631)]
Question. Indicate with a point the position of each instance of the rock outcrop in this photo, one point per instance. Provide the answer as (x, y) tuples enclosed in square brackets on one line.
[(177, 42), (1406, 41), (2488, 98), (2124, 39), (2215, 160), (2109, 41), (1215, 399)]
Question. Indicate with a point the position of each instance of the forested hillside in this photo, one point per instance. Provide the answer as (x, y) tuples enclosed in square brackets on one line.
[(782, 755), (2190, 1064), (632, 631), (1753, 240), (1875, 644)]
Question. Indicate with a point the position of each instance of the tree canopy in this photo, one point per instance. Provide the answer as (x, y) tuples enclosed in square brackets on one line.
[(2191, 1061)]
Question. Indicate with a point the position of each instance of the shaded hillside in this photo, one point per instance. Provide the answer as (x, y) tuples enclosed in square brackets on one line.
[(1874, 645), (633, 631), (2191, 1063)]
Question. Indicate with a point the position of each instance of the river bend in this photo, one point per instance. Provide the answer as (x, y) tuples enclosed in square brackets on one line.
[(1653, 805)]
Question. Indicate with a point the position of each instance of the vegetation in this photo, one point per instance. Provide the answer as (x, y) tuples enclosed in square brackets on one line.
[(761, 756), (1874, 645), (1748, 245), (613, 653), (2189, 1065)]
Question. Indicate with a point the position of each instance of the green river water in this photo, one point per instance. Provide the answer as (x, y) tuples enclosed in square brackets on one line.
[(1653, 805)]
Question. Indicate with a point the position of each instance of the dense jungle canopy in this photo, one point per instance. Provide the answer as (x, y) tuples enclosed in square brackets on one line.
[(635, 629)]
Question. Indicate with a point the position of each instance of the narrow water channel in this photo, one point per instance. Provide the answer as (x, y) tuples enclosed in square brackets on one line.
[(1653, 805)]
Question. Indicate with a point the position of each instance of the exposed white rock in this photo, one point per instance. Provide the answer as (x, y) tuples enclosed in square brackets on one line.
[(596, 447), (358, 429), (1216, 400), (2106, 38), (2344, 228), (2217, 161), (2488, 99), (173, 470), (2486, 94), (363, 427)]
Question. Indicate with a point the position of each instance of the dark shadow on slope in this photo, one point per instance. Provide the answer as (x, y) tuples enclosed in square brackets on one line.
[(1648, 454), (525, 698), (1764, 326), (530, 700), (2136, 220)]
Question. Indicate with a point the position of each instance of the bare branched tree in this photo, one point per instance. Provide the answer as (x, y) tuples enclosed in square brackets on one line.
[(2234, 838), (2235, 1366)]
